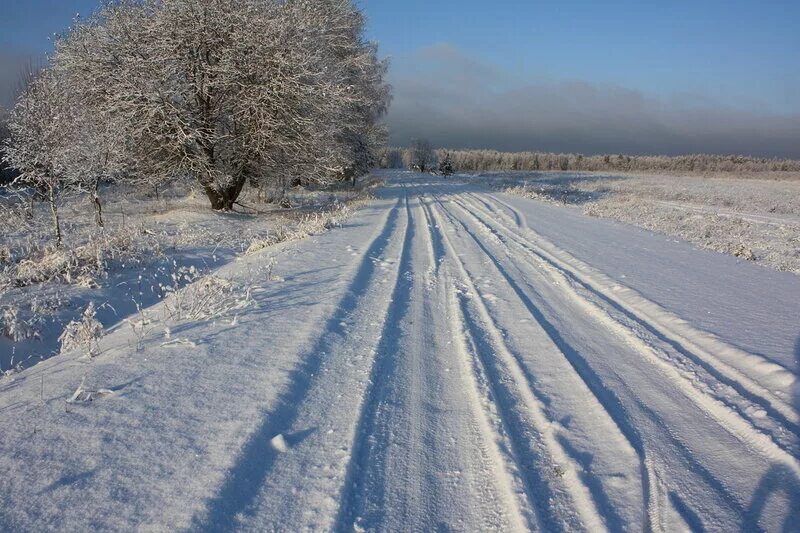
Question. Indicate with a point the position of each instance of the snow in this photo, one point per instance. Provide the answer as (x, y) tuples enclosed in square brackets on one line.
[(752, 307), (450, 358), (279, 443), (149, 247), (753, 218)]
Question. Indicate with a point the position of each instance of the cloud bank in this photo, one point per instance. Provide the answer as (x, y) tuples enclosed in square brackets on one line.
[(459, 102)]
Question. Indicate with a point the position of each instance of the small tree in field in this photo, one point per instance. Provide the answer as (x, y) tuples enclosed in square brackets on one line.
[(5, 136), (446, 166), (95, 154), (41, 126), (422, 156)]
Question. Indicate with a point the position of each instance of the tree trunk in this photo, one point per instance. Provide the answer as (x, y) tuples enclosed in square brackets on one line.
[(51, 198), (98, 207), (223, 198)]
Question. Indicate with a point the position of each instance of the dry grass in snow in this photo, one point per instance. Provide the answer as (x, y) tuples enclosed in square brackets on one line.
[(152, 248), (753, 219)]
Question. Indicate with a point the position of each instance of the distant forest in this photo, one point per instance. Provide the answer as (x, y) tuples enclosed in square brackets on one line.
[(492, 160)]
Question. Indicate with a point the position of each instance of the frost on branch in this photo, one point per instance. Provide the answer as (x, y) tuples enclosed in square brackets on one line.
[(229, 92)]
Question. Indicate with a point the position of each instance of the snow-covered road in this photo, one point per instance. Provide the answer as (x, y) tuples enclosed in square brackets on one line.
[(450, 360)]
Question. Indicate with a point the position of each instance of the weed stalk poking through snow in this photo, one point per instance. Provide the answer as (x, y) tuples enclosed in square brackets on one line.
[(83, 333)]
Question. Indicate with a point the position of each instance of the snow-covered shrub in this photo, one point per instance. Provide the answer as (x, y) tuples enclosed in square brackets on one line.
[(14, 368), (50, 264), (83, 333), (560, 193), (141, 326), (446, 166), (310, 224), (260, 243), (207, 298), (15, 328), (83, 264), (744, 252), (83, 395), (41, 306)]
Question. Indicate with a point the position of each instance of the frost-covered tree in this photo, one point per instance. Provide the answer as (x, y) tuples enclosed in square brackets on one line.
[(41, 127), (229, 91), (422, 155), (446, 165), (5, 136), (360, 129), (58, 144), (390, 157), (94, 152)]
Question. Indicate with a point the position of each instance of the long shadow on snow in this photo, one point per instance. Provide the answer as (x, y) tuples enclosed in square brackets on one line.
[(382, 368), (778, 479), (591, 480), (246, 476), (126, 289)]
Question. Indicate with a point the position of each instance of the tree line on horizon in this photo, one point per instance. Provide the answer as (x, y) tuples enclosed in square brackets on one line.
[(466, 160)]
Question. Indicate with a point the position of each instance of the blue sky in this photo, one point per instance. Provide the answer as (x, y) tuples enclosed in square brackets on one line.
[(741, 56), (745, 53)]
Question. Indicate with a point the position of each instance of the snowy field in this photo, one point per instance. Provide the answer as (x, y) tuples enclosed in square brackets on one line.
[(153, 243), (756, 219), (449, 358)]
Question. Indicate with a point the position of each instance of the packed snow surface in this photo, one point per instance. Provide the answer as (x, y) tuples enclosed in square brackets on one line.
[(756, 218), (451, 359)]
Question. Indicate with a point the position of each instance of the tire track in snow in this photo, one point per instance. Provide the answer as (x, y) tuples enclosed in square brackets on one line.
[(383, 367), (740, 430), (610, 401), (534, 444), (421, 460), (657, 455), (668, 328), (239, 491), (784, 414), (607, 398), (719, 409), (478, 386), (544, 364)]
